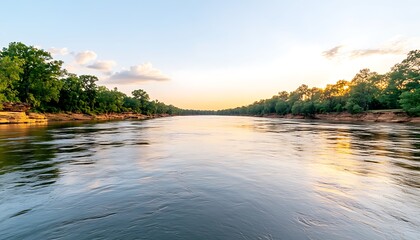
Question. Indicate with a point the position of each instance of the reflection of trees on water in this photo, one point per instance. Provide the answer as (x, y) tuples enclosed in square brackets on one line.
[(366, 149), (27, 151), (399, 147), (35, 155)]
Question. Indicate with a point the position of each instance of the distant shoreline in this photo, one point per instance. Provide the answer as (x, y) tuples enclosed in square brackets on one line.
[(374, 116)]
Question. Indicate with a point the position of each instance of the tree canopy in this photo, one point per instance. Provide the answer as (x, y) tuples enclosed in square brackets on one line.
[(397, 89), (39, 75), (30, 75)]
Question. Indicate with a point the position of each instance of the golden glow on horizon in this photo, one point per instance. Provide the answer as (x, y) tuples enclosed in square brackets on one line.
[(216, 88)]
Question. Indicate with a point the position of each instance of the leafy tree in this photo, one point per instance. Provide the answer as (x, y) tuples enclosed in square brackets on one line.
[(308, 108), (403, 77), (143, 97), (334, 96), (363, 90), (132, 104), (151, 107), (297, 107), (282, 107), (410, 102), (110, 100), (90, 89), (39, 81), (10, 69), (353, 107), (72, 95), (270, 105)]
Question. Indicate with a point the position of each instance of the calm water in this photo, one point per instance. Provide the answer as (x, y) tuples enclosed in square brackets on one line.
[(209, 177)]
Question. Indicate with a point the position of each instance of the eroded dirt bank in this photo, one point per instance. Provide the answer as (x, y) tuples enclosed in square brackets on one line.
[(22, 117), (385, 116)]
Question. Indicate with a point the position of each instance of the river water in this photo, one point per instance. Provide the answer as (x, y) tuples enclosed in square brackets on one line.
[(210, 177)]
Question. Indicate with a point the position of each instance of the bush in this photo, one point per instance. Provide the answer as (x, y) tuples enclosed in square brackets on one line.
[(410, 102), (353, 107)]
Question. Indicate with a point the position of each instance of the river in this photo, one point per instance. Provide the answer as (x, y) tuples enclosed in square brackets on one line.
[(210, 177)]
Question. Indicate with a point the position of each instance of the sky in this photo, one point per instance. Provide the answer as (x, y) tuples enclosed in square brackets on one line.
[(217, 54)]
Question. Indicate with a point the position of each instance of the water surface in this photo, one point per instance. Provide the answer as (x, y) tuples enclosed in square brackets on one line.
[(210, 177)]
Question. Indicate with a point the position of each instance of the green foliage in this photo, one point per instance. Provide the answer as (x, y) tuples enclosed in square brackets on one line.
[(31, 75), (404, 77), (335, 96), (143, 98), (72, 95), (282, 107), (297, 107), (338, 107), (353, 107), (10, 69), (367, 90), (270, 106), (90, 89), (363, 90), (110, 100), (410, 102), (132, 104), (39, 81)]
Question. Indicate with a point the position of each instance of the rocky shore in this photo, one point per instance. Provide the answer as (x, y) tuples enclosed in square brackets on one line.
[(21, 117), (8, 117)]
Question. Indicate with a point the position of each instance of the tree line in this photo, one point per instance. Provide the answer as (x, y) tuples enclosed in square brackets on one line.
[(30, 75), (397, 89)]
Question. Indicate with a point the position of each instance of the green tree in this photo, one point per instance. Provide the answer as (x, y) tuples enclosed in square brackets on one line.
[(143, 97), (10, 69), (132, 104), (403, 77), (90, 89), (72, 95), (363, 90), (110, 101), (297, 107), (334, 96), (270, 105), (410, 102), (282, 107), (39, 81)]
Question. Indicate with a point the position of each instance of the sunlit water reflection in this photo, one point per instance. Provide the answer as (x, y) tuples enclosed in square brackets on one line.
[(209, 177)]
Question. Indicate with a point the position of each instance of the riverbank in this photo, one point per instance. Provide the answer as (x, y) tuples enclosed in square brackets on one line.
[(38, 118), (373, 116)]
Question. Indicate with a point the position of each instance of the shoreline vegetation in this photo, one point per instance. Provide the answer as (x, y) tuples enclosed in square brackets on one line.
[(35, 88)]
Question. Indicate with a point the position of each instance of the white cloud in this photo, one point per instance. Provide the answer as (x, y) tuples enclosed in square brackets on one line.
[(104, 66), (397, 45), (85, 57), (139, 73), (59, 51)]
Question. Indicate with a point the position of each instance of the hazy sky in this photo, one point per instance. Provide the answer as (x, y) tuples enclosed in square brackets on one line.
[(216, 54)]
